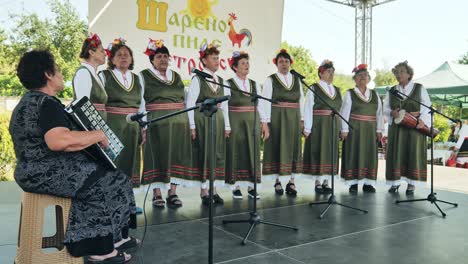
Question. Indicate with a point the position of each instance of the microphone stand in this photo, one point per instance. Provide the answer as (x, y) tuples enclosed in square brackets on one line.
[(254, 219), (332, 199), (432, 198), (208, 107)]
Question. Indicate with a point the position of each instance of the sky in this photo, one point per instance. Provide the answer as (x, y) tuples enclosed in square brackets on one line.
[(425, 32)]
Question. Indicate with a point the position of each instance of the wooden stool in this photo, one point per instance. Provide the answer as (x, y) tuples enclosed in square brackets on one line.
[(30, 240)]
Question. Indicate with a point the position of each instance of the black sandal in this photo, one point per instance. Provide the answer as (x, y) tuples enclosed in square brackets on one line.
[(318, 188), (326, 188), (278, 191), (394, 189), (158, 202), (173, 201), (217, 199), (117, 259), (205, 200), (132, 243), (290, 190)]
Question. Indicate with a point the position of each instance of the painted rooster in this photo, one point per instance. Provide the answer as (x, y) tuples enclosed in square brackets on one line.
[(238, 37)]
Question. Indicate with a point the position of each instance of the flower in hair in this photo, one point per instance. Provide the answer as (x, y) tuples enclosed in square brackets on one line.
[(326, 64), (360, 67), (153, 46), (206, 47), (117, 41), (93, 39), (235, 54), (283, 50)]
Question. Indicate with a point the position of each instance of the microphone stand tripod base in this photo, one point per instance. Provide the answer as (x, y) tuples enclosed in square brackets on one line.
[(430, 198), (331, 201), (254, 220)]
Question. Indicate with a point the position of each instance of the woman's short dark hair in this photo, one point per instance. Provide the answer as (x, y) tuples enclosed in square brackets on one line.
[(113, 51), (283, 54), (32, 68), (235, 60), (163, 50)]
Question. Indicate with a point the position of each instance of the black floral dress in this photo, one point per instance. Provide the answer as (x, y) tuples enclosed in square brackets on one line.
[(103, 205)]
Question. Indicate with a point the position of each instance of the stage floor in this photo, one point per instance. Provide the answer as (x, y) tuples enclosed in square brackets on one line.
[(389, 233)]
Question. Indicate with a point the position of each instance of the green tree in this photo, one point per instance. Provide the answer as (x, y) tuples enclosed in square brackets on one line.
[(384, 78), (7, 154), (343, 81), (463, 59), (62, 34)]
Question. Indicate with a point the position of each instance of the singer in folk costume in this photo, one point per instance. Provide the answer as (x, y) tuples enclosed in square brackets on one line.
[(240, 145), (50, 161), (199, 91), (86, 81), (123, 98), (317, 129), (282, 124), (168, 146), (363, 110), (407, 148)]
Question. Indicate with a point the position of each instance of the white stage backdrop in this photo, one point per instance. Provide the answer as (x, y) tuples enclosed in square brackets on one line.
[(185, 25)]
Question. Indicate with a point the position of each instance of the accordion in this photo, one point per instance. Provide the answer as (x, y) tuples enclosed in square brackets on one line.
[(86, 118)]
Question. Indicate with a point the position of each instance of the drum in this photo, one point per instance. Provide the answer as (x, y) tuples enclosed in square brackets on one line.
[(410, 121)]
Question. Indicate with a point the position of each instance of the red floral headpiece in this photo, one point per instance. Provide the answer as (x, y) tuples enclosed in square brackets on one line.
[(282, 51), (93, 39), (153, 46), (206, 47), (326, 64), (118, 41), (359, 68), (235, 54)]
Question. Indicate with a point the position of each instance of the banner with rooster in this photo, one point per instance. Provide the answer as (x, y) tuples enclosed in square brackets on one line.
[(186, 25)]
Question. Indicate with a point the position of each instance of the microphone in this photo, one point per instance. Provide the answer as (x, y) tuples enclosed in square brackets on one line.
[(200, 73), (298, 75), (215, 101), (394, 93), (135, 117)]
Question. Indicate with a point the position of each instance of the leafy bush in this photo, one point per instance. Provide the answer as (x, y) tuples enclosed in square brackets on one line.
[(444, 128), (7, 154)]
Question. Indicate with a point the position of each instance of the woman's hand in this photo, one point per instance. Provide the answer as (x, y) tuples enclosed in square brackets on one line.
[(194, 133), (227, 133), (379, 136), (104, 142), (343, 135), (395, 113), (265, 131), (143, 136), (420, 124)]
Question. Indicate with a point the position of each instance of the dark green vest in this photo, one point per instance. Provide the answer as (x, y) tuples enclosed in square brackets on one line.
[(334, 101), (119, 95), (206, 92), (239, 98), (281, 93), (159, 91), (407, 104), (361, 107), (98, 94)]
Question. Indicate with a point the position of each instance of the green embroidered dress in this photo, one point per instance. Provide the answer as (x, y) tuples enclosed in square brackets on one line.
[(121, 102)]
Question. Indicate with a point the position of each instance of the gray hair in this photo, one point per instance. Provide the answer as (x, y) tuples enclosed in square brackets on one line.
[(408, 69)]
